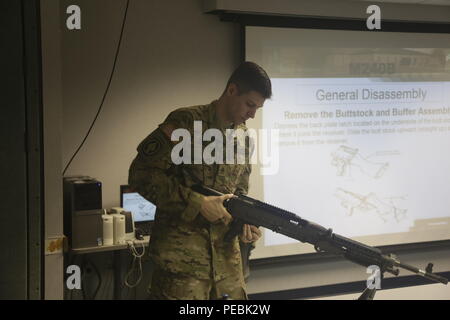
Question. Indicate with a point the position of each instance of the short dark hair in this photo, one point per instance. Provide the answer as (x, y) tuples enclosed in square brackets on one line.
[(251, 77)]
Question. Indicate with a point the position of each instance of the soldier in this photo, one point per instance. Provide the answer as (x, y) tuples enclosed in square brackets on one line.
[(191, 259)]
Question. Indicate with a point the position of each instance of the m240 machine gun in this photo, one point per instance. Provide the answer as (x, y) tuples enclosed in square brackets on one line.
[(246, 210)]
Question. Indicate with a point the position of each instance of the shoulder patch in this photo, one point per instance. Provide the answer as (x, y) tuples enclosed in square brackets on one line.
[(151, 147), (154, 145)]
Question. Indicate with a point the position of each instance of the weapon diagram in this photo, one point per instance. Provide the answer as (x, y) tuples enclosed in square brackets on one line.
[(385, 208), (345, 159)]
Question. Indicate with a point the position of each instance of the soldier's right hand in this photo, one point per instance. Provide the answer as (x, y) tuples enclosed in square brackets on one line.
[(213, 210)]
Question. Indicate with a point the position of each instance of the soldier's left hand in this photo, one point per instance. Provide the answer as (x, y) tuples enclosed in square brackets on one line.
[(250, 234)]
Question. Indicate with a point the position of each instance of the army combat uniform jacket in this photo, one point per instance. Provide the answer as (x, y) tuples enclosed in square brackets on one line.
[(183, 241)]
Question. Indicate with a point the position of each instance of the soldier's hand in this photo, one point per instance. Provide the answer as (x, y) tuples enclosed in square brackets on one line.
[(213, 210), (250, 234)]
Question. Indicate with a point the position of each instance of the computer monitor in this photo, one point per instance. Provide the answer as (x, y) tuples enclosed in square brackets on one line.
[(142, 209)]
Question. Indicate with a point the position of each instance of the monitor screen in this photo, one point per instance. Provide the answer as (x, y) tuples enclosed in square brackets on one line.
[(142, 209)]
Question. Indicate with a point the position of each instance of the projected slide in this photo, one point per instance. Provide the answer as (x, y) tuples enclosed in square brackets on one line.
[(364, 133), (364, 156)]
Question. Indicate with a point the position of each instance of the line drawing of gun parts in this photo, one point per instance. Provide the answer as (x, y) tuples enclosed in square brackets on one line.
[(385, 208), (346, 158)]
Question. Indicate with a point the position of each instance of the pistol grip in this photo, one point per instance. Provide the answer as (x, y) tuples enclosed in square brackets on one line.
[(235, 230)]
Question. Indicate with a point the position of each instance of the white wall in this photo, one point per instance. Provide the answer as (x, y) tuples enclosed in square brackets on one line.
[(172, 55)]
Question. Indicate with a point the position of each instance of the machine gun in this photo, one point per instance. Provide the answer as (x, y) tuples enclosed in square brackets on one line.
[(246, 210)]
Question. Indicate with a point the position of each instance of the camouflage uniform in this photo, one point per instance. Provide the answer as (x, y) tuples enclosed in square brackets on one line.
[(191, 259)]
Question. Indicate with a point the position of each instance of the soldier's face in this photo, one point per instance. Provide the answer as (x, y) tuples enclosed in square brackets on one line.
[(242, 107)]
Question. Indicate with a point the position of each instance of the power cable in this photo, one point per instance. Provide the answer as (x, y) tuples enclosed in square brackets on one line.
[(107, 88)]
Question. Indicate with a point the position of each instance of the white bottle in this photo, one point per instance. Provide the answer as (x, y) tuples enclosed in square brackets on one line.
[(119, 228), (108, 230)]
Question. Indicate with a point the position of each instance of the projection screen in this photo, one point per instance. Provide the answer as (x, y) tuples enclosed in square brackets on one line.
[(363, 120)]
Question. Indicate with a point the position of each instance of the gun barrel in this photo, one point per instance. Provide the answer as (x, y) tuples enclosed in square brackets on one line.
[(423, 273)]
